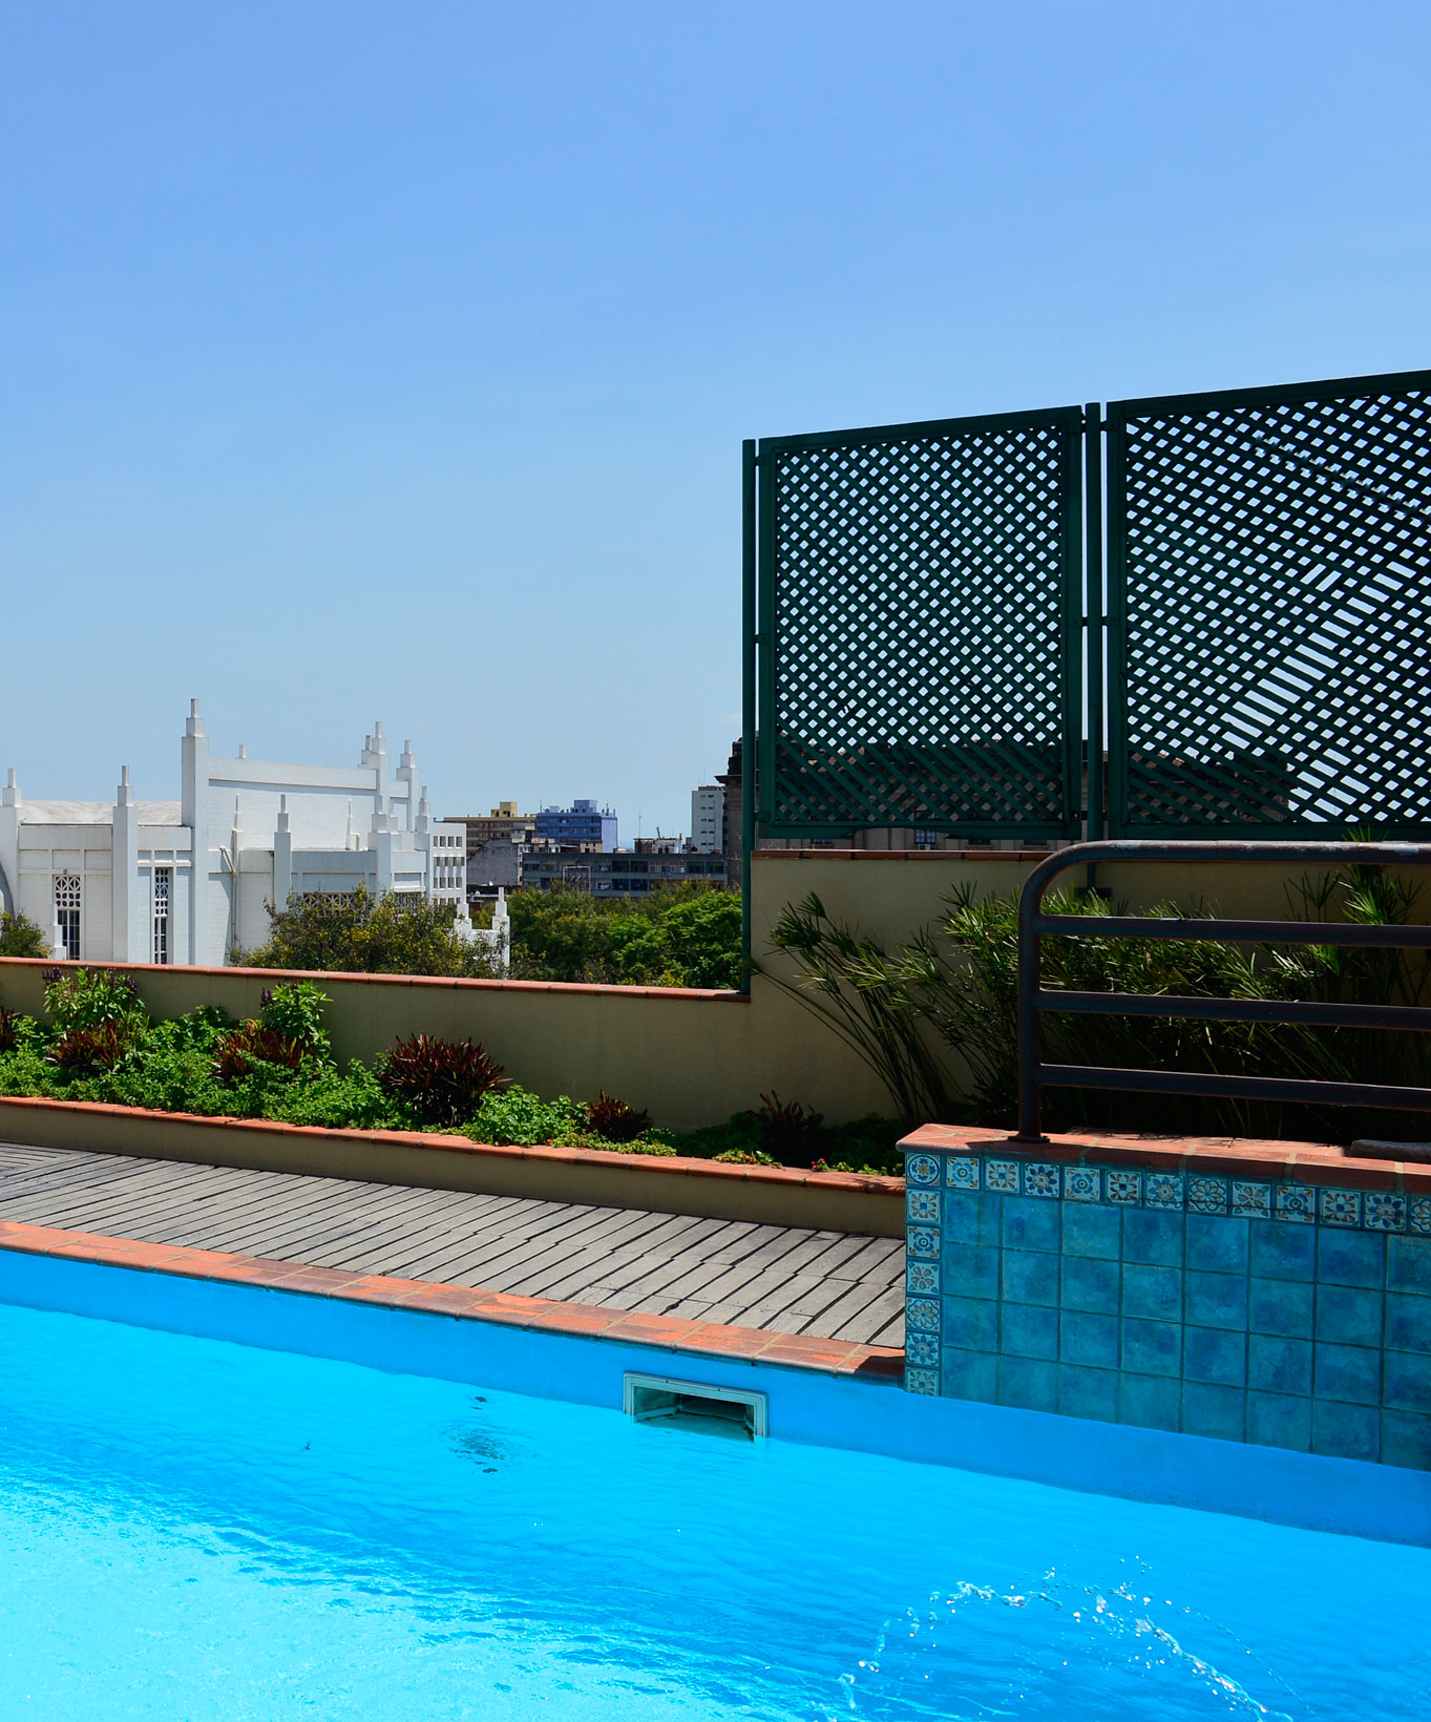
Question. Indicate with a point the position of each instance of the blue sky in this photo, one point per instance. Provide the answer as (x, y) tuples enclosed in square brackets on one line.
[(362, 360)]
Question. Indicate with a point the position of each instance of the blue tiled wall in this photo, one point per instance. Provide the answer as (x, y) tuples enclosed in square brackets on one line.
[(1250, 1310)]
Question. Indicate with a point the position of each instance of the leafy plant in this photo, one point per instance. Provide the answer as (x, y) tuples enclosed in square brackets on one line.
[(250, 1045), (82, 1051), (20, 937), (851, 983), (517, 1116), (81, 998), (9, 1029), (359, 933), (788, 1132), (293, 1010), (439, 1081), (685, 935), (614, 1120)]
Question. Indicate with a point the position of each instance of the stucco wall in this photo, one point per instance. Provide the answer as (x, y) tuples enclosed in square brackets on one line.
[(692, 1058)]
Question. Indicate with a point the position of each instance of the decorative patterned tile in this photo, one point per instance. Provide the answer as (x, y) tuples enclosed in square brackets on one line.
[(1164, 1190), (1252, 1201), (922, 1278), (1123, 1186), (961, 1172), (1295, 1202), (921, 1169), (923, 1241), (921, 1381), (922, 1348), (1002, 1175), (1419, 1217), (1383, 1212), (1207, 1195), (1040, 1179), (1080, 1184), (1340, 1207), (921, 1313), (922, 1205)]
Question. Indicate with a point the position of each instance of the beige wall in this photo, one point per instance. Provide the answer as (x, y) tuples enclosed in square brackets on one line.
[(690, 1058)]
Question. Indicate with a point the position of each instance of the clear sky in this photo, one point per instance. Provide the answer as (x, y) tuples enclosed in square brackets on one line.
[(369, 360)]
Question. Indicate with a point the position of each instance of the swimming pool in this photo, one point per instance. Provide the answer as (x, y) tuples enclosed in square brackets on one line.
[(200, 1529)]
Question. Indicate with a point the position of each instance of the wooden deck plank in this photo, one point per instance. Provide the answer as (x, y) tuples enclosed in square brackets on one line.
[(784, 1279)]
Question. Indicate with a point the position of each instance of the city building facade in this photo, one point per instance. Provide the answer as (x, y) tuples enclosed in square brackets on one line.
[(191, 881), (582, 822), (708, 819)]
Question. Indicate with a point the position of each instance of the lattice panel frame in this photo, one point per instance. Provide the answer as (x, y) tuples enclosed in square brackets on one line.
[(920, 623), (1270, 611)]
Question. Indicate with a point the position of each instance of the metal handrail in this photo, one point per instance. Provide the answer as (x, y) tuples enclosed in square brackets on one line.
[(1034, 1000)]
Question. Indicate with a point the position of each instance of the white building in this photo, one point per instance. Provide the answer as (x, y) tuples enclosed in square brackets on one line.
[(186, 881), (708, 819)]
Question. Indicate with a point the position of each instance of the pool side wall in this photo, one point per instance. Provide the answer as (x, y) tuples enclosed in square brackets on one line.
[(806, 1405), (1242, 1293)]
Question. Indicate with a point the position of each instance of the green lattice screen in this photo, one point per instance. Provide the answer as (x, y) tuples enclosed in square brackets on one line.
[(920, 615), (1270, 610)]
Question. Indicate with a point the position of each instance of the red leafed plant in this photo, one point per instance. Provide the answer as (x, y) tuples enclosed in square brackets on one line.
[(9, 1034), (440, 1081), (83, 1051), (614, 1120), (251, 1044), (788, 1131)]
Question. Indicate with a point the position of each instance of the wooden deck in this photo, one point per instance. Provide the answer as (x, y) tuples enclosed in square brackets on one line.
[(784, 1279)]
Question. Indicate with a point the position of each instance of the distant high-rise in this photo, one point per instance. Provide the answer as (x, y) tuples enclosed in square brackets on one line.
[(582, 822), (708, 819)]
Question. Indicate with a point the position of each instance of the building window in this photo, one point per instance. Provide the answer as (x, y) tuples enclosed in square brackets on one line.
[(163, 892), (926, 840), (67, 913)]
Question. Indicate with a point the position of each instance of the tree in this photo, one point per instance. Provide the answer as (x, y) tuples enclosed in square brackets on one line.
[(20, 937), (359, 933)]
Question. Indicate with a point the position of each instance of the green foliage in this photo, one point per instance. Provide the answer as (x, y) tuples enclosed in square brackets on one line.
[(359, 933), (961, 984), (614, 1120), (439, 1082), (685, 935), (20, 937), (517, 1116), (80, 998), (294, 1011)]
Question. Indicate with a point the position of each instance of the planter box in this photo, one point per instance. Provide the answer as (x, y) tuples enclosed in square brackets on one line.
[(767, 1195)]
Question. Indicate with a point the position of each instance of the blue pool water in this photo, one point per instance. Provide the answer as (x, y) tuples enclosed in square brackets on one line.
[(191, 1529)]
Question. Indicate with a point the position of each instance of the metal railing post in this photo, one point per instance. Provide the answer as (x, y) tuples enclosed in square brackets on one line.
[(749, 643)]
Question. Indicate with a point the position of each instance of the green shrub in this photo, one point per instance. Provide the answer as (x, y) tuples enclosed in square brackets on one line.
[(20, 937), (359, 933), (518, 1117), (293, 1010), (80, 998), (685, 935)]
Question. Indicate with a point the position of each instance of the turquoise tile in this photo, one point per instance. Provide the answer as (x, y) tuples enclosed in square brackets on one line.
[(1279, 1420), (1216, 1411), (1217, 1243), (1091, 1230), (1088, 1393), (1030, 1277), (1150, 1401), (1027, 1383), (1408, 1381), (1090, 1283), (1345, 1431), (1279, 1365), (1408, 1265), (971, 1270), (1406, 1440), (1283, 1251), (970, 1216), (1152, 1347), (1348, 1373), (1281, 1307), (971, 1323), (1089, 1339), (1217, 1300), (1408, 1321), (1349, 1315), (1031, 1223), (1156, 1294), (1028, 1331), (1153, 1238), (970, 1375), (1347, 1258), (1216, 1355)]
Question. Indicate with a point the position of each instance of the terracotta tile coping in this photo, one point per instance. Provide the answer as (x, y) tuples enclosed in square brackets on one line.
[(1228, 1156), (678, 1165), (749, 1344), (341, 978)]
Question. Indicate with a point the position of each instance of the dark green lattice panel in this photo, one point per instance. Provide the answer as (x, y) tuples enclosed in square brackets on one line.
[(920, 617), (1270, 610)]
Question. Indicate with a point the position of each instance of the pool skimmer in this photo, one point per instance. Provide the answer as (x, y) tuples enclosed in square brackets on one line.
[(694, 1405)]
